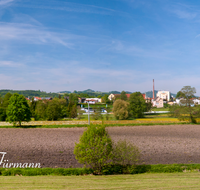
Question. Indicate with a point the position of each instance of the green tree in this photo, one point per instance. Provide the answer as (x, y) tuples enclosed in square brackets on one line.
[(137, 105), (18, 110), (2, 110), (40, 110), (3, 106), (6, 99), (120, 109), (185, 111), (123, 96), (73, 98), (94, 148), (63, 106), (148, 105), (32, 105), (188, 93), (180, 94), (73, 112), (72, 105), (53, 110), (105, 99)]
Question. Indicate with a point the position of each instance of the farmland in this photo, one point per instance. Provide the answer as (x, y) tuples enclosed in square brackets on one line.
[(53, 147)]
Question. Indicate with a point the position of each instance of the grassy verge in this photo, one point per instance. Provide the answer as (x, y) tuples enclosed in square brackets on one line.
[(159, 168)]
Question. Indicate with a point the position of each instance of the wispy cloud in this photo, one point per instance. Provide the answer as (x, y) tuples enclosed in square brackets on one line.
[(5, 2), (69, 7), (33, 34), (121, 47), (184, 11), (185, 14)]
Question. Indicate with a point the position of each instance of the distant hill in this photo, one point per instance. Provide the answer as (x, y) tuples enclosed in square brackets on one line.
[(150, 94), (29, 93), (114, 92), (87, 91), (63, 92), (117, 92), (127, 92)]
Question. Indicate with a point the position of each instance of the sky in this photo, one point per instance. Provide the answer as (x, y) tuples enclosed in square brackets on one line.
[(104, 45)]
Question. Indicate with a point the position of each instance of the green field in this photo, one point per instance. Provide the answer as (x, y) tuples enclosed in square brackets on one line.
[(190, 180), (160, 109)]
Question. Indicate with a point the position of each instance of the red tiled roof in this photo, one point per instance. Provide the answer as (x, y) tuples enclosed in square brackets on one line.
[(144, 96)]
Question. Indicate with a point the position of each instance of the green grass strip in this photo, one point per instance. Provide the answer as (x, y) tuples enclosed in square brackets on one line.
[(86, 125), (159, 168)]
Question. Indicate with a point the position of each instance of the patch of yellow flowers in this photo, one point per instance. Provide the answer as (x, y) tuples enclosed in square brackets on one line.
[(144, 120)]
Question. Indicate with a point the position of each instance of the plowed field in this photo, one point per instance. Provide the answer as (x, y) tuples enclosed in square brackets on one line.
[(164, 144)]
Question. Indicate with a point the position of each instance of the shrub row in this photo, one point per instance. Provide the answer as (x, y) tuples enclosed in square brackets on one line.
[(107, 170), (44, 171)]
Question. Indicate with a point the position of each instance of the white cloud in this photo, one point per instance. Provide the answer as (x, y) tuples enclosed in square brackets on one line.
[(10, 64), (185, 14)]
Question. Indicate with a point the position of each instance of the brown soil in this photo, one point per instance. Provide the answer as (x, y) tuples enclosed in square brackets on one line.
[(165, 144)]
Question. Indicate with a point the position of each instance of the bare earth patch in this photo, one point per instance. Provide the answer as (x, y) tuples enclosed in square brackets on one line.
[(164, 144)]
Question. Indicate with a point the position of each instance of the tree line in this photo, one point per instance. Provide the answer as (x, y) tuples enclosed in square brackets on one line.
[(14, 105)]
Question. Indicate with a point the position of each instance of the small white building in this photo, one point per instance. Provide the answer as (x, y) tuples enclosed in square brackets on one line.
[(165, 95), (111, 97), (196, 101), (92, 100), (158, 102)]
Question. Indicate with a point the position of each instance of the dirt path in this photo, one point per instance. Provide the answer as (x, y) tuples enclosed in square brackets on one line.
[(54, 147)]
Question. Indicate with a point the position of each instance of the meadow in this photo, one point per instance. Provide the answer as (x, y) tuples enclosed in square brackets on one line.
[(190, 180)]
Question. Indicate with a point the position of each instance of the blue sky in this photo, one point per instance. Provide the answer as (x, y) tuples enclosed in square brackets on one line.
[(56, 45)]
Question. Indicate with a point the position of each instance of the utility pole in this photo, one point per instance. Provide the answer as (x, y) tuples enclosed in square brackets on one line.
[(88, 113)]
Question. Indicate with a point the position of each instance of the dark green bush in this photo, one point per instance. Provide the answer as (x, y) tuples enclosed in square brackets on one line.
[(171, 168), (113, 169), (138, 169), (125, 153)]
